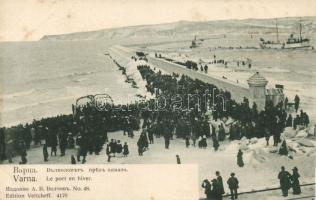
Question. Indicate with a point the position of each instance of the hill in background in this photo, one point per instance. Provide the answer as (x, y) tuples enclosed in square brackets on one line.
[(187, 29)]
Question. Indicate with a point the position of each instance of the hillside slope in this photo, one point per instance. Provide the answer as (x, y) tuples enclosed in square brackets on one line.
[(187, 29)]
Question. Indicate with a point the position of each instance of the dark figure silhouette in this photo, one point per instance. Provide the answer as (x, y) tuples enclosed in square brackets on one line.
[(240, 161), (283, 149), (285, 183), (295, 182), (220, 185), (187, 142), (207, 189), (73, 160), (45, 153), (233, 186), (125, 150), (178, 160)]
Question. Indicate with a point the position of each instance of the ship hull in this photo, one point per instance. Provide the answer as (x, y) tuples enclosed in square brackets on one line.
[(302, 45), (271, 46)]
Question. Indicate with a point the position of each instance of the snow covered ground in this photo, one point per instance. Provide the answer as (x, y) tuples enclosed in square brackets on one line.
[(260, 170)]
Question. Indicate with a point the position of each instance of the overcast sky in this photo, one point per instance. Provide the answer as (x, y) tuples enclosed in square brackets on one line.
[(31, 19)]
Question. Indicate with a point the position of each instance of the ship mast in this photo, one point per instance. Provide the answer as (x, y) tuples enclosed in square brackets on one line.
[(277, 30), (300, 29)]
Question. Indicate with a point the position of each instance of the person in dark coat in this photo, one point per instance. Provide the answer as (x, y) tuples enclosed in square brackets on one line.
[(146, 142), (233, 186), (73, 160), (240, 161), (119, 147), (130, 130), (53, 140), (187, 142), (221, 190), (45, 153), (283, 149), (285, 183), (221, 133), (167, 133), (70, 141), (112, 147), (215, 194), (125, 150), (125, 125), (178, 160), (9, 147), (2, 144), (23, 154), (295, 182), (289, 121), (193, 137), (215, 143), (62, 142), (296, 102), (108, 152), (204, 142), (83, 147), (151, 134), (207, 189), (140, 146), (267, 135)]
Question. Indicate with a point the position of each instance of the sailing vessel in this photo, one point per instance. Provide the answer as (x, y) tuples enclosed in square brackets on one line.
[(270, 44), (291, 43)]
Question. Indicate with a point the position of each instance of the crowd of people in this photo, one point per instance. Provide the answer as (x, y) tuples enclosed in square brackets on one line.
[(189, 122), (86, 129)]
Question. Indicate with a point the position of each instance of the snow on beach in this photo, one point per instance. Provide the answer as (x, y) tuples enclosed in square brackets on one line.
[(260, 170)]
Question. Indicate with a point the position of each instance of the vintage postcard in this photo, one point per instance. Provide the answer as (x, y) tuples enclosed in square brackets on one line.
[(157, 100)]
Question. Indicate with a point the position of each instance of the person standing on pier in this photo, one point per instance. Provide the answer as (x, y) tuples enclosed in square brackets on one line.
[(295, 182), (187, 141), (221, 190), (45, 153), (215, 142), (62, 142), (53, 141), (125, 149), (285, 183), (233, 186), (22, 149), (207, 189)]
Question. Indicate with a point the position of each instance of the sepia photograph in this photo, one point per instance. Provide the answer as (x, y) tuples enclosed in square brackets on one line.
[(228, 86)]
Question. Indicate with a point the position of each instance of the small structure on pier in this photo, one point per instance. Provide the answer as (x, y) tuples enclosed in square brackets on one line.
[(257, 90), (260, 95)]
